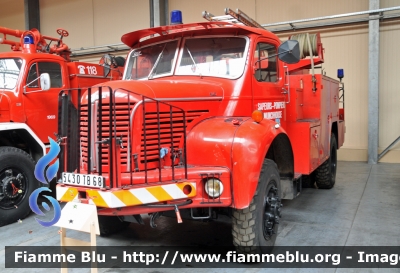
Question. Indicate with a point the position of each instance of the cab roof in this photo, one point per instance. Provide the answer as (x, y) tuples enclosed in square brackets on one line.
[(133, 38), (30, 56)]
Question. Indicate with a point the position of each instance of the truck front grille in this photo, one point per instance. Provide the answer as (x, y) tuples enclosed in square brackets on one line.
[(160, 130)]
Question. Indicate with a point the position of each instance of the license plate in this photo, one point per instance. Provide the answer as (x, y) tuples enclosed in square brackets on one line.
[(86, 180)]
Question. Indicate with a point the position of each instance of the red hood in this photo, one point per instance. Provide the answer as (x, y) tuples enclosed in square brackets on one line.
[(163, 89)]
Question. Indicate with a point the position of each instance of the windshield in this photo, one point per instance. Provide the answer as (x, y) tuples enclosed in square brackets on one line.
[(9, 72), (205, 56), (151, 61), (218, 57)]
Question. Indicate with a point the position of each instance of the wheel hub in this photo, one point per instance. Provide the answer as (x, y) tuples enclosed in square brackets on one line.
[(11, 185), (272, 212)]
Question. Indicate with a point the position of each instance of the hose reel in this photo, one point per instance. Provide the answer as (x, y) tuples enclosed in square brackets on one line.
[(306, 41), (308, 44)]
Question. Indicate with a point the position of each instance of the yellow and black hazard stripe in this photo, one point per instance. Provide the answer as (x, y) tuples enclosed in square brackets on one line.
[(130, 197)]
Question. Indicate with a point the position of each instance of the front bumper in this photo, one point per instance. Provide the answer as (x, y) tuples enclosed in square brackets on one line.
[(117, 198), (136, 198)]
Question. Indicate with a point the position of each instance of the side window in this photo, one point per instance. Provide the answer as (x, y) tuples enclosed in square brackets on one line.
[(266, 68), (33, 76), (36, 69), (54, 70)]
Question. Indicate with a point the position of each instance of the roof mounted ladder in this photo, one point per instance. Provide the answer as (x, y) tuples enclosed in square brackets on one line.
[(232, 17)]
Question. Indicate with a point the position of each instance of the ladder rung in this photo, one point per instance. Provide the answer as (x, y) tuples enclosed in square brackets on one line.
[(238, 17), (222, 17), (243, 17)]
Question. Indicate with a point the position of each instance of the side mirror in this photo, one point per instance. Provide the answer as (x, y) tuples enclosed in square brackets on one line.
[(106, 62), (289, 52), (45, 82)]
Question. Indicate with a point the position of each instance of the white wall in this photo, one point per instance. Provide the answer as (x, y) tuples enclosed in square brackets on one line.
[(11, 16)]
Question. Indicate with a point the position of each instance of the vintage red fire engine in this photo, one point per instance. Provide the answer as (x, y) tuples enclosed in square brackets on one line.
[(208, 116), (31, 77)]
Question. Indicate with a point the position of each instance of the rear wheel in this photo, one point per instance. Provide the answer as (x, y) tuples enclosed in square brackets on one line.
[(17, 182), (254, 228), (325, 175)]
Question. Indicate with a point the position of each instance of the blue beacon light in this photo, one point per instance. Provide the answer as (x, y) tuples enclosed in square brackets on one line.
[(340, 73), (176, 17), (29, 44), (28, 40)]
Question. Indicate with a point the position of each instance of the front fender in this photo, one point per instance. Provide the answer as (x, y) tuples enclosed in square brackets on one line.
[(210, 142), (250, 146), (240, 146)]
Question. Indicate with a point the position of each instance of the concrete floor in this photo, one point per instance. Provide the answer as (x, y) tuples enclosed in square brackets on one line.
[(363, 209)]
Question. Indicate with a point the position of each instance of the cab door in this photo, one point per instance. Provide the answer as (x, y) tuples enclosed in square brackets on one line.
[(41, 107), (267, 80)]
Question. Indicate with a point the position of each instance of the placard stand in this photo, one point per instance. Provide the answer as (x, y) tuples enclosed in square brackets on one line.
[(80, 217)]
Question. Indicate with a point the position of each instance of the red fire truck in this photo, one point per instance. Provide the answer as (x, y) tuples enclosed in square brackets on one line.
[(208, 116), (31, 77)]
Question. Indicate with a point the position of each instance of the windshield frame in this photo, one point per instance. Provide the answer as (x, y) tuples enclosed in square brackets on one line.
[(245, 56), (128, 69), (17, 80)]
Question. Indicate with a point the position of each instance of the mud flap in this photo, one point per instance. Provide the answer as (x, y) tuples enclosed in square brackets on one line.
[(291, 188)]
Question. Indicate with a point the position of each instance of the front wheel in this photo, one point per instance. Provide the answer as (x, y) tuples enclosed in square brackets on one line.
[(255, 228), (17, 182)]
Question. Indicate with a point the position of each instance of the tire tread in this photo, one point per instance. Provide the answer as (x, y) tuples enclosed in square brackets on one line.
[(323, 177), (244, 223)]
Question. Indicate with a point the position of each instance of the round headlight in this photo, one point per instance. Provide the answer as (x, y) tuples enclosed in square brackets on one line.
[(214, 187)]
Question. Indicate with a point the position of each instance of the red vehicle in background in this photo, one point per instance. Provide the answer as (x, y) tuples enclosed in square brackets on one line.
[(208, 116), (31, 78)]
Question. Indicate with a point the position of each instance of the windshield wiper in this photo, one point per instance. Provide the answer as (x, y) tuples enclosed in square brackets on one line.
[(153, 70), (191, 57)]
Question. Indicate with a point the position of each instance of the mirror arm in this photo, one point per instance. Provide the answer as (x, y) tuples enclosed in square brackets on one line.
[(277, 54), (30, 83)]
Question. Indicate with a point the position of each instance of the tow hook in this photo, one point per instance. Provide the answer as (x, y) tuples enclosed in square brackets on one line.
[(156, 215), (153, 218), (178, 215)]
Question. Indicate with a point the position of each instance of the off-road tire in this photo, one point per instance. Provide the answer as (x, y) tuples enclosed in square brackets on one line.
[(14, 205), (249, 229), (109, 225), (325, 175)]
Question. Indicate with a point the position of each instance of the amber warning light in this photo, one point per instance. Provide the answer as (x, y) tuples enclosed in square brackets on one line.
[(257, 116)]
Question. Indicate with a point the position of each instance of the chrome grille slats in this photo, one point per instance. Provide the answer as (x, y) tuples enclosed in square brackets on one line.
[(120, 123), (160, 124)]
